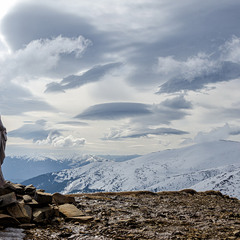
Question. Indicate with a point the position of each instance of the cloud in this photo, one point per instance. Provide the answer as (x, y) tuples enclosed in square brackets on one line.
[(15, 99), (61, 141), (196, 72), (38, 59), (116, 134), (144, 114), (35, 131), (41, 57), (95, 74), (178, 102), (114, 111), (74, 123), (216, 134)]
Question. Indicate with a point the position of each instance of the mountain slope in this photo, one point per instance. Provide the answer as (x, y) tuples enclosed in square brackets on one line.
[(227, 182), (166, 170)]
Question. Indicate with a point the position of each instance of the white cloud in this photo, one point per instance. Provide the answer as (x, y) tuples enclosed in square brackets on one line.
[(61, 141), (216, 134), (40, 57), (193, 67), (231, 50)]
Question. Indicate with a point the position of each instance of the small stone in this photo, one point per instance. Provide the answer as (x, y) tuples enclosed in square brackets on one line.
[(236, 233)]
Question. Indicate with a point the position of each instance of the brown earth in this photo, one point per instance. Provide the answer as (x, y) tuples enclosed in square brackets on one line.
[(146, 215)]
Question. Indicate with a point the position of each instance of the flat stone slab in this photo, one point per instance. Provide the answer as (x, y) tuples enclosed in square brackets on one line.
[(82, 219), (69, 211)]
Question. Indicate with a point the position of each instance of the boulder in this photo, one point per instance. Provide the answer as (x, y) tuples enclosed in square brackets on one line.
[(43, 198), (8, 221), (43, 215), (69, 210), (30, 189), (59, 199), (8, 199), (19, 212)]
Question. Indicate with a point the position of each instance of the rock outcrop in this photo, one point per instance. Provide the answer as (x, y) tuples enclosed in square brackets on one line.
[(27, 207), (185, 214)]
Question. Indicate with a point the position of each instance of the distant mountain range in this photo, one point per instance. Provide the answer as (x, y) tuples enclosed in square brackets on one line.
[(20, 168), (211, 165)]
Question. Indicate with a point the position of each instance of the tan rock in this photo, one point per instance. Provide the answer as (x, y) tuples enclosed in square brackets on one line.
[(27, 225), (27, 198), (69, 211), (8, 199), (19, 212), (59, 199), (82, 219)]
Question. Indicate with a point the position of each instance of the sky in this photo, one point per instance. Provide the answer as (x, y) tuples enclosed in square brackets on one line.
[(118, 77)]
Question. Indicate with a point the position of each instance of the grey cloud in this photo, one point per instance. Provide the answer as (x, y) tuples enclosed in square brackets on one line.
[(95, 74), (27, 22), (74, 123), (227, 71), (203, 26), (145, 133), (186, 31), (115, 111), (17, 100), (178, 102), (144, 114), (33, 132)]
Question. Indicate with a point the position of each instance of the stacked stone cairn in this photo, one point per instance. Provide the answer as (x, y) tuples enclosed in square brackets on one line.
[(27, 207)]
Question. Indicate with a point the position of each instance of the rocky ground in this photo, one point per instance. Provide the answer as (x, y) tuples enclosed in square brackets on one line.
[(146, 215), (127, 215)]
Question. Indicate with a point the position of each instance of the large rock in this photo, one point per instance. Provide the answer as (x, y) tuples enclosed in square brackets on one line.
[(30, 189), (8, 221), (8, 199), (60, 199), (43, 198), (27, 198), (43, 215), (69, 210), (19, 212)]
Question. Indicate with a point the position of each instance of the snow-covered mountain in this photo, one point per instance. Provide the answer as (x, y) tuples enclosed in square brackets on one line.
[(175, 169), (23, 167)]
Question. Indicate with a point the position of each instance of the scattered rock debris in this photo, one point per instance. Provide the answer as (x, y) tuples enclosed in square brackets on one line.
[(30, 213)]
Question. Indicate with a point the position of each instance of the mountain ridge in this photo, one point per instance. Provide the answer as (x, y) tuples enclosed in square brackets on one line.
[(159, 171)]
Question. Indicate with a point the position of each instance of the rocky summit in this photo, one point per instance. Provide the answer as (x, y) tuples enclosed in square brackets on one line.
[(30, 213)]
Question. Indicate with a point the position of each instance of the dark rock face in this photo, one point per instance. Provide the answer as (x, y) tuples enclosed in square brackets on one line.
[(186, 214)]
